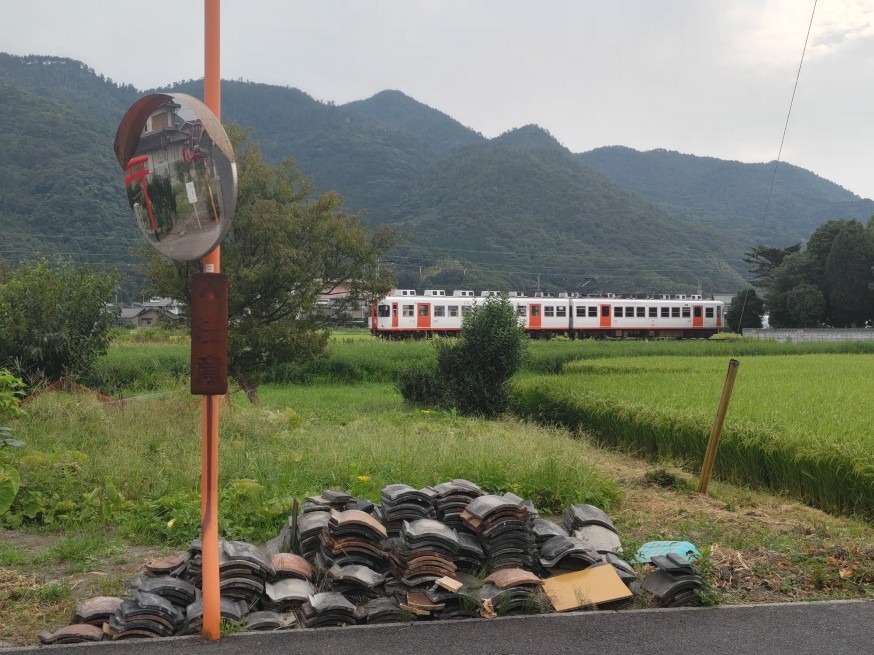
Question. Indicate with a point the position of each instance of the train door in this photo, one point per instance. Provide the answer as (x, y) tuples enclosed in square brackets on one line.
[(534, 318), (394, 315), (423, 315), (605, 316), (697, 316)]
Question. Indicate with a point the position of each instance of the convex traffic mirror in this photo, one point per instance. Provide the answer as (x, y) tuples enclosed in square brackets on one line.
[(179, 173)]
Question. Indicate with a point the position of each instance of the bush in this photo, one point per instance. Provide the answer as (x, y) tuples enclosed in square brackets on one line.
[(472, 374), (53, 320)]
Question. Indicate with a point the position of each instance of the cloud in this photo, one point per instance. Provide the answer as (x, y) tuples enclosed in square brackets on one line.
[(770, 35)]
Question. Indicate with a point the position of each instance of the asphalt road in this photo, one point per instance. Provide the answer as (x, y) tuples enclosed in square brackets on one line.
[(831, 628)]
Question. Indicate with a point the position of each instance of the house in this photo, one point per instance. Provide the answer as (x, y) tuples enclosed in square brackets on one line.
[(150, 313)]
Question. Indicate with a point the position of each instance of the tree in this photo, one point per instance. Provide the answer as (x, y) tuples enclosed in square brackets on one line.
[(746, 311), (764, 262), (847, 277), (54, 320), (472, 374), (793, 271), (285, 249), (806, 305)]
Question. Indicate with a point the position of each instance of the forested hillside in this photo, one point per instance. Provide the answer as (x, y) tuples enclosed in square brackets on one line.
[(522, 209), (512, 212), (731, 196)]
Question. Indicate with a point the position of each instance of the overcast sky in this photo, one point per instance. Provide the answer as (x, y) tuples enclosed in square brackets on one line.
[(706, 77)]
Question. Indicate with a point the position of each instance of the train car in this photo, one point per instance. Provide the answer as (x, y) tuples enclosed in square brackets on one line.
[(405, 314)]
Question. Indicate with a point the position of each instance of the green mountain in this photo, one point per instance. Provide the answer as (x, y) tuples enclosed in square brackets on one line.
[(60, 187), (518, 211), (521, 209), (343, 149), (731, 196)]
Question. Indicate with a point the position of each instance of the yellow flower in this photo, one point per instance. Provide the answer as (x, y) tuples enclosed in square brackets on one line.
[(170, 523), (426, 411), (364, 478)]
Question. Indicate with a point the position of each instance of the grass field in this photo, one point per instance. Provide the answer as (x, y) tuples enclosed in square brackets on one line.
[(796, 424), (136, 467), (104, 486)]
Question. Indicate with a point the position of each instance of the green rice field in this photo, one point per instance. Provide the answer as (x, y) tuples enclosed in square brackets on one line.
[(796, 424)]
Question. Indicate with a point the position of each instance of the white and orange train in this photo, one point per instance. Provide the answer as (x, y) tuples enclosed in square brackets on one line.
[(404, 314)]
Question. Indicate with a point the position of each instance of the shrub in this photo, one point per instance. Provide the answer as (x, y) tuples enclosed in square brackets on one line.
[(472, 374)]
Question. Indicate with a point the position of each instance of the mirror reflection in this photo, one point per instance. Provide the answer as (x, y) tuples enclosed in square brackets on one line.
[(181, 183)]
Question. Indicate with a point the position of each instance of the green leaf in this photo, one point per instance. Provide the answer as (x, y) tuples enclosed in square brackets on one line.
[(10, 482)]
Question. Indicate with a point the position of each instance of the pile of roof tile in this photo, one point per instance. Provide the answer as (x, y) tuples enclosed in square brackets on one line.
[(353, 537), (675, 582), (413, 556), (561, 554), (510, 590), (243, 570), (457, 597), (383, 610), (290, 585), (356, 582), (309, 528), (451, 498), (401, 502), (230, 611), (328, 608), (501, 523), (145, 615), (287, 589), (423, 552)]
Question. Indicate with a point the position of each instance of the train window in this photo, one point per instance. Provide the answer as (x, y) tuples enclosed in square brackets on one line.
[(561, 312), (675, 312), (687, 312), (581, 311), (653, 312), (605, 310), (439, 310), (465, 310), (593, 311), (666, 312), (520, 310), (629, 312), (719, 310), (535, 310), (383, 311), (697, 312), (408, 310), (641, 312), (548, 311), (453, 311), (618, 312), (708, 312), (423, 310)]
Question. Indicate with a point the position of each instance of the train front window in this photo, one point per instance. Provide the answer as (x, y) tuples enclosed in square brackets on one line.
[(383, 311)]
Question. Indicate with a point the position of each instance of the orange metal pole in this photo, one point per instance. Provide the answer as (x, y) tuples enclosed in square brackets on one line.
[(211, 629)]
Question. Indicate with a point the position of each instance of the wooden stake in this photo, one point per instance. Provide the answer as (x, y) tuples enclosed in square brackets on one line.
[(716, 432)]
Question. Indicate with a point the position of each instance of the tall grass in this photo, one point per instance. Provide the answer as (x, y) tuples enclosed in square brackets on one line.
[(137, 467), (798, 425)]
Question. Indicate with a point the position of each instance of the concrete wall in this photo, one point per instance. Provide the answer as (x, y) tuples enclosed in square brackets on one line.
[(810, 334)]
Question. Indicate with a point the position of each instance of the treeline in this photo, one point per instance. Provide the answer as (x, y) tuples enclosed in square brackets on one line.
[(828, 282)]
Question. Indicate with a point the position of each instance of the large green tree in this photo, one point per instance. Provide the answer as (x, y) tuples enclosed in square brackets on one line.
[(54, 320), (764, 261), (847, 277), (746, 311), (287, 247)]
